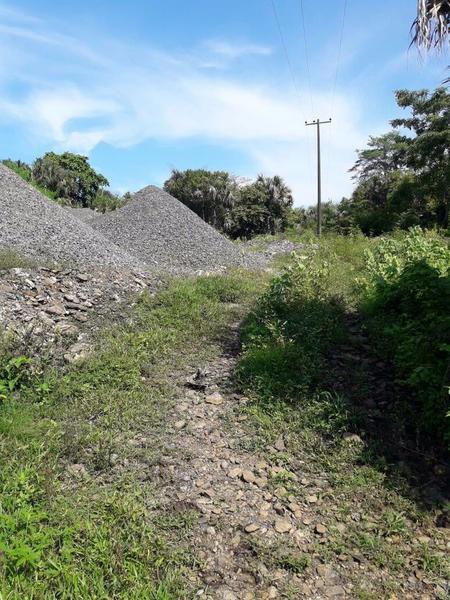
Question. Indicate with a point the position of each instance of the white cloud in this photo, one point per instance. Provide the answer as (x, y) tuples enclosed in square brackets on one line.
[(78, 96), (235, 50)]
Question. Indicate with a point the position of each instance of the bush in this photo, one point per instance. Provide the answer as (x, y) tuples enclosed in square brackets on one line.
[(286, 337), (407, 300)]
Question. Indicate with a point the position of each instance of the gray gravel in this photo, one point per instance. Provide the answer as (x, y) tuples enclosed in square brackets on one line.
[(167, 235), (37, 228), (84, 214)]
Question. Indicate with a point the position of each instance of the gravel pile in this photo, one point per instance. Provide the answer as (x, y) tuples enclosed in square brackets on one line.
[(84, 214), (167, 235), (37, 228)]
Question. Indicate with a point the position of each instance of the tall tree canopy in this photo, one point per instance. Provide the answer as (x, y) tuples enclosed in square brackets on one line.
[(240, 210), (70, 177), (404, 175), (210, 194)]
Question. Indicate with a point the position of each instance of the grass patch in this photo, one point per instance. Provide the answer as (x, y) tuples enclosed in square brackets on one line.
[(77, 517), (10, 259)]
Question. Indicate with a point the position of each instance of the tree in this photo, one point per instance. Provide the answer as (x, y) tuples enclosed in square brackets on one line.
[(231, 206), (431, 27), (384, 154), (210, 194), (403, 179), (70, 177), (427, 152), (263, 207)]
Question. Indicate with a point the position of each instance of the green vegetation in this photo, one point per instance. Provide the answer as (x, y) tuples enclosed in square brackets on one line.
[(10, 259), (403, 176), (69, 179), (407, 300), (72, 522), (69, 176), (291, 361), (237, 209)]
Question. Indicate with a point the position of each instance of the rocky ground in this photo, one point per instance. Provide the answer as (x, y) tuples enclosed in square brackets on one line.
[(54, 311), (270, 523)]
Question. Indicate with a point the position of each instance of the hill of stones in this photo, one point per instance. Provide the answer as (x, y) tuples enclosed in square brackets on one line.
[(82, 264)]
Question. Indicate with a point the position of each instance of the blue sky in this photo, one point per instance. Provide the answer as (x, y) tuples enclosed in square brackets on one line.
[(143, 86)]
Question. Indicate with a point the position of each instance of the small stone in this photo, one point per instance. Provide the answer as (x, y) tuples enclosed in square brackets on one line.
[(327, 573), (261, 482), (423, 539), (320, 529), (248, 476), (236, 472), (311, 499), (214, 398), (64, 328), (77, 469), (80, 317), (334, 591), (282, 526), (281, 492), (55, 309), (251, 527), (180, 424), (279, 444), (352, 438), (272, 592)]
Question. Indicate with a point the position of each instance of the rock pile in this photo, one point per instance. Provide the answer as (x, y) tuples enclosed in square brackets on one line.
[(84, 214), (50, 309), (39, 229), (161, 231)]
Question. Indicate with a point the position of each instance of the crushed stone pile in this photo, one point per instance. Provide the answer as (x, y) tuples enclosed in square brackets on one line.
[(39, 229), (84, 214), (168, 236)]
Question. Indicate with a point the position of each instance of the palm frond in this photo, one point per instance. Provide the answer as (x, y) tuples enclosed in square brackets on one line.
[(431, 27)]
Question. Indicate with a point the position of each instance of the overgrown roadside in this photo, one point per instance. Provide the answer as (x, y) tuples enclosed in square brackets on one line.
[(196, 455), (79, 507), (365, 499)]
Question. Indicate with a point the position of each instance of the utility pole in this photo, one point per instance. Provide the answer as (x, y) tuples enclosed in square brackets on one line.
[(318, 123)]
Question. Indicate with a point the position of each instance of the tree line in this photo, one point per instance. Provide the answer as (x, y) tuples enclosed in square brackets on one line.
[(403, 176), (402, 180), (240, 209)]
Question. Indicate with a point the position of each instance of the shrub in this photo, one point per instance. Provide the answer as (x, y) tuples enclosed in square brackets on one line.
[(407, 300), (286, 337)]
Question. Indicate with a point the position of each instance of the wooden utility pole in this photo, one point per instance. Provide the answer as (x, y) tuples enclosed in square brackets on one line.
[(318, 123)]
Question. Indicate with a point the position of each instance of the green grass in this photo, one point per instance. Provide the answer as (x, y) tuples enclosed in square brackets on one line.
[(10, 259), (77, 519), (284, 369)]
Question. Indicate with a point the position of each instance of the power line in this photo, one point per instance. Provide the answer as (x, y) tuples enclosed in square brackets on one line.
[(339, 54), (286, 53), (308, 71)]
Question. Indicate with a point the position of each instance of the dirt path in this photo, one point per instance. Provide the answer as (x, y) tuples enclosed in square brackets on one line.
[(242, 516), (255, 539)]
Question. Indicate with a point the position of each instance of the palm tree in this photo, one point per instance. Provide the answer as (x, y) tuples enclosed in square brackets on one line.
[(431, 27)]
